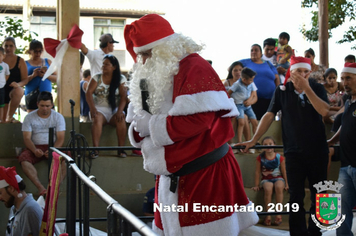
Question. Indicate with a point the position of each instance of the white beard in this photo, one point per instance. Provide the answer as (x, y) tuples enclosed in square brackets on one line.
[(159, 71), (159, 75)]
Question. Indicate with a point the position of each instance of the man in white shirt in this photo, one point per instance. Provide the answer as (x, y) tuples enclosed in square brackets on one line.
[(269, 51), (96, 56), (35, 129)]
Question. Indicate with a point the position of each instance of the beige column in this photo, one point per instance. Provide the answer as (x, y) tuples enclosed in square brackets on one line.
[(68, 13)]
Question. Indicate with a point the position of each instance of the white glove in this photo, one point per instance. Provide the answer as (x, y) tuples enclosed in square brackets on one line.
[(130, 113), (141, 123)]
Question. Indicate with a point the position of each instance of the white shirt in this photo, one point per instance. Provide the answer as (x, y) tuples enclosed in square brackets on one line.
[(4, 70), (96, 60)]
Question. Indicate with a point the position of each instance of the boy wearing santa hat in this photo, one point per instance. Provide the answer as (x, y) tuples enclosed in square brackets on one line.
[(25, 214), (180, 118), (347, 138), (303, 104)]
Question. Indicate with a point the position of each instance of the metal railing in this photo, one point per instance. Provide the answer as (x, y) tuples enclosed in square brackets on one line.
[(120, 221)]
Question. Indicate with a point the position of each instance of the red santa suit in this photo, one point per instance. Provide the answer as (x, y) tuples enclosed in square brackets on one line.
[(195, 121)]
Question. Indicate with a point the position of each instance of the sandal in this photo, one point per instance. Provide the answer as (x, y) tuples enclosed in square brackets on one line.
[(121, 154), (278, 220), (267, 221), (94, 154)]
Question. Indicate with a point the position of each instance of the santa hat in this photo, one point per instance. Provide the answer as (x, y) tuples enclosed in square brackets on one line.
[(146, 33), (9, 177), (295, 63), (349, 68)]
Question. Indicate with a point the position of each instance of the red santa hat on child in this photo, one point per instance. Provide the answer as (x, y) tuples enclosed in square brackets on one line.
[(349, 68), (149, 31), (9, 177), (295, 63)]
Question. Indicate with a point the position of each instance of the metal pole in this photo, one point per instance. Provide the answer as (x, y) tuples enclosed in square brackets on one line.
[(71, 201), (112, 222), (86, 210)]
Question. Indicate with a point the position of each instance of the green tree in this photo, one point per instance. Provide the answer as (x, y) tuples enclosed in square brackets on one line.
[(13, 27), (339, 11)]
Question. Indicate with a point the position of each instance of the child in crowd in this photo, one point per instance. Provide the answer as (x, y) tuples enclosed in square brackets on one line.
[(4, 75), (350, 58), (244, 94), (284, 51), (272, 167), (84, 107)]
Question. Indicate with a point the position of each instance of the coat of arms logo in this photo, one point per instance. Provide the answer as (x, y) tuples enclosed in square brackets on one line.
[(328, 206)]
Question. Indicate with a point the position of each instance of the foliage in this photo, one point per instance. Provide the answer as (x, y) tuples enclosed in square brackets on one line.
[(339, 11), (13, 27)]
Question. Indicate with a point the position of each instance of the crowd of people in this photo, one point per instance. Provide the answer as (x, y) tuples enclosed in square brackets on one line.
[(181, 115)]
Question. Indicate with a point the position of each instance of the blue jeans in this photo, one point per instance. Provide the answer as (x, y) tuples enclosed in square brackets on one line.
[(245, 110), (347, 177)]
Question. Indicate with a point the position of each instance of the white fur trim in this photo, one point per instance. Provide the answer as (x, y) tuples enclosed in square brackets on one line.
[(231, 225), (158, 130), (153, 44), (132, 138), (3, 183), (170, 220), (153, 158), (203, 102), (300, 65), (349, 70)]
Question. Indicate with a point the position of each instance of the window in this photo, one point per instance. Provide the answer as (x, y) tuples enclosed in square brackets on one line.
[(44, 26), (112, 26)]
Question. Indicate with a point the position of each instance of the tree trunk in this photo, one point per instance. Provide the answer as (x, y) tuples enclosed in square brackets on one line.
[(323, 32)]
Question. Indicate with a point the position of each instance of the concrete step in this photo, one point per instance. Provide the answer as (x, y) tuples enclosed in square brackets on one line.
[(119, 177)]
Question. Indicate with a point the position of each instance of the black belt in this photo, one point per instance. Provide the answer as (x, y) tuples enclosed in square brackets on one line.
[(198, 164)]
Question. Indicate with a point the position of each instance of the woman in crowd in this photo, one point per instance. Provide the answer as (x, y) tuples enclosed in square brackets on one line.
[(17, 79), (36, 68), (107, 97), (317, 71), (266, 79), (234, 74), (335, 91)]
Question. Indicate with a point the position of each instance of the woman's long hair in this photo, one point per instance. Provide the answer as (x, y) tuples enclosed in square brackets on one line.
[(231, 67), (115, 80)]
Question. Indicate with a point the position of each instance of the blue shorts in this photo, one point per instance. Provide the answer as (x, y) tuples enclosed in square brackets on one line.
[(245, 110), (271, 180)]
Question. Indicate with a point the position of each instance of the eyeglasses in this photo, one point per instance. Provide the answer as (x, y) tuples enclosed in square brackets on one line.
[(38, 51), (8, 228)]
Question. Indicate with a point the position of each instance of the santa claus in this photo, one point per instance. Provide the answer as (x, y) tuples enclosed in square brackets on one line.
[(183, 128)]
